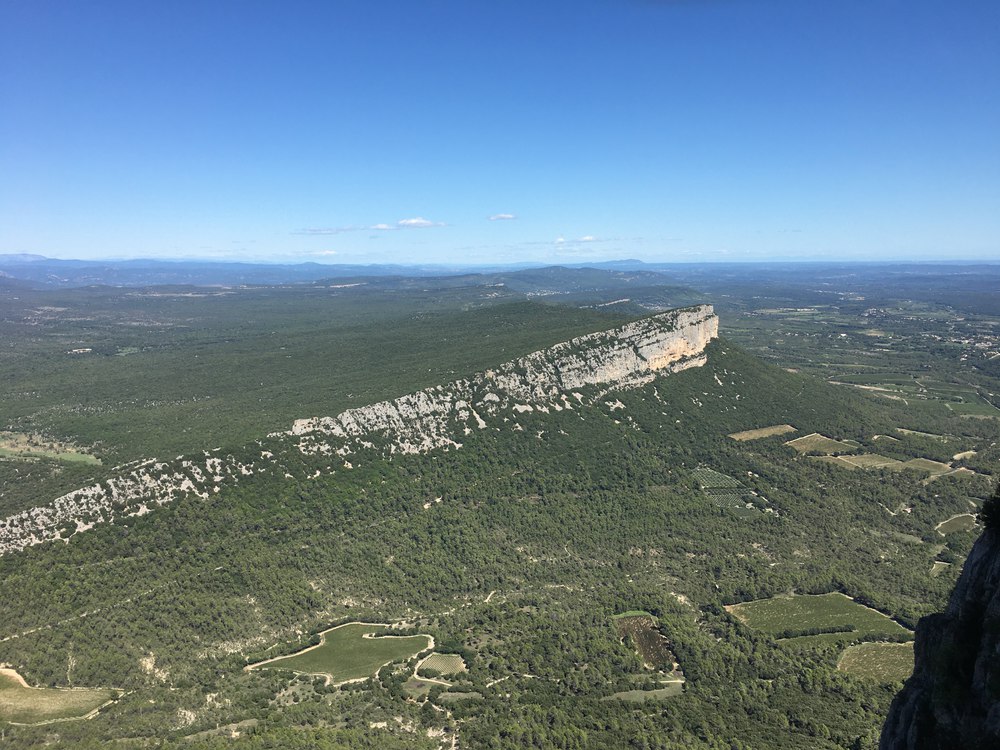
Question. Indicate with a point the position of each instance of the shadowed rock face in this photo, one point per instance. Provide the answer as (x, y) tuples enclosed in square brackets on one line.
[(953, 698), (561, 377)]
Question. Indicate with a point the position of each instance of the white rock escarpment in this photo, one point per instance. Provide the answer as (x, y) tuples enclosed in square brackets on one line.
[(624, 357), (581, 370), (131, 493)]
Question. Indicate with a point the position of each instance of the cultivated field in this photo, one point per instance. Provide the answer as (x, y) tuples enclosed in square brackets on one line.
[(762, 432), (884, 662), (974, 409), (443, 664), (816, 443), (21, 704), (725, 491), (712, 479), (810, 620), (351, 652), (925, 464)]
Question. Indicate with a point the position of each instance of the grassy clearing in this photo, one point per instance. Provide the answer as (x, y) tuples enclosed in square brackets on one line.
[(933, 436), (31, 446), (815, 619), (961, 522), (762, 432), (21, 704), (418, 688), (938, 567), (632, 613), (872, 461), (351, 652), (450, 697), (444, 664), (816, 443), (883, 662), (961, 471), (886, 438)]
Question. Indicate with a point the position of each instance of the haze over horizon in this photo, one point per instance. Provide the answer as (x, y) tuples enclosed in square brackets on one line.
[(465, 134)]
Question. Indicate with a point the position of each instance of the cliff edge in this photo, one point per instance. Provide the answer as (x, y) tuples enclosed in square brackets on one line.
[(952, 700), (564, 376)]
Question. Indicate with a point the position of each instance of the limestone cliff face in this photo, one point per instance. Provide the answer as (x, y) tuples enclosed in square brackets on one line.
[(549, 379), (953, 698), (560, 377)]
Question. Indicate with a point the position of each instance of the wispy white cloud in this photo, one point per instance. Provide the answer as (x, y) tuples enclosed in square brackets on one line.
[(324, 230), (588, 238), (560, 240), (418, 222), (502, 217)]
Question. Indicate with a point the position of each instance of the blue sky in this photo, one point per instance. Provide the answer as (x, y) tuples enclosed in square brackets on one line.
[(463, 132)]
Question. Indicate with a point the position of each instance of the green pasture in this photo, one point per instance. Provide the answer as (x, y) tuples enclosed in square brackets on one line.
[(964, 522), (29, 705), (351, 652)]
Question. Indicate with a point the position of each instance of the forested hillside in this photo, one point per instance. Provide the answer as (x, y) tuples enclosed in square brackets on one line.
[(515, 552)]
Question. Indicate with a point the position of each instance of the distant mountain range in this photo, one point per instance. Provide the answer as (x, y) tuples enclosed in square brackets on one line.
[(41, 272)]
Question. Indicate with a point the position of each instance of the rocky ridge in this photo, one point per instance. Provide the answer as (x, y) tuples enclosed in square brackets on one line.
[(575, 372)]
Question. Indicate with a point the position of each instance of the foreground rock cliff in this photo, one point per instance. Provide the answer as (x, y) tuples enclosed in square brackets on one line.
[(953, 698), (558, 378)]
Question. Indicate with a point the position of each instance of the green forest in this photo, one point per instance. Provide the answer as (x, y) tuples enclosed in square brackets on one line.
[(516, 551)]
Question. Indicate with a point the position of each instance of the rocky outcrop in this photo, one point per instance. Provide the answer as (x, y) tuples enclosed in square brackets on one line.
[(550, 379), (135, 491), (561, 377), (953, 698)]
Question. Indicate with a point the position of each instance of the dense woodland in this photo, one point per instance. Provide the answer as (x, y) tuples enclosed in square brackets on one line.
[(540, 537)]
